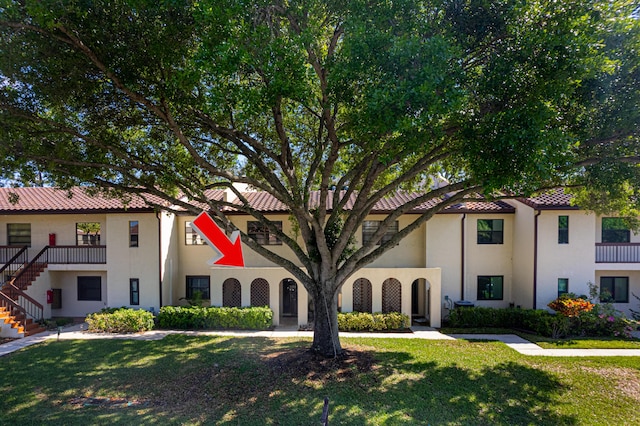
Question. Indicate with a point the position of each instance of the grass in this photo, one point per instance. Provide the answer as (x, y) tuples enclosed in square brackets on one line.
[(256, 381)]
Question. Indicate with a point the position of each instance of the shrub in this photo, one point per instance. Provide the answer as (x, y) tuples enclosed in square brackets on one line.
[(364, 321), (601, 320), (570, 305), (120, 320), (198, 317), (535, 320)]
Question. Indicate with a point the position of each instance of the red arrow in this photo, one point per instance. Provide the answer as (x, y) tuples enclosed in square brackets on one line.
[(230, 249)]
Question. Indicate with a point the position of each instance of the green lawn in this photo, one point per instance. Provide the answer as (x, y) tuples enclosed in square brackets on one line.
[(221, 380)]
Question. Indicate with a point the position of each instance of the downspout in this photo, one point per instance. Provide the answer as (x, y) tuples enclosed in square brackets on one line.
[(462, 260), (159, 259), (535, 258)]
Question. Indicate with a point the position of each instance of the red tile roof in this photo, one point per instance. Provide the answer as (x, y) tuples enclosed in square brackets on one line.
[(555, 199), (267, 203), (53, 200)]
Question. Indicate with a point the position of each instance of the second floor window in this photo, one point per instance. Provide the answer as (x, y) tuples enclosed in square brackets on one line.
[(191, 237), (369, 227), (615, 230), (490, 231), (133, 233), (19, 234), (88, 233), (563, 229), (260, 233)]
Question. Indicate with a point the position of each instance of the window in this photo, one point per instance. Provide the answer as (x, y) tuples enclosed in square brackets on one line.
[(615, 230), (134, 291), (490, 287), (614, 289), (198, 283), (369, 227), (259, 232), (19, 234), (88, 233), (133, 233), (192, 238), (490, 231), (563, 286), (563, 229), (90, 288)]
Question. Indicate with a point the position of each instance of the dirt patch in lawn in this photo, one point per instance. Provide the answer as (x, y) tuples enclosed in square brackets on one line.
[(306, 364), (627, 380)]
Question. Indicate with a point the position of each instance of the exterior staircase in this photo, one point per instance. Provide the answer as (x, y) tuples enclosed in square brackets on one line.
[(19, 312)]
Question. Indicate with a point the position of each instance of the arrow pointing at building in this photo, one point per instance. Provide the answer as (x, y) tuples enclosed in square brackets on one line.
[(230, 249)]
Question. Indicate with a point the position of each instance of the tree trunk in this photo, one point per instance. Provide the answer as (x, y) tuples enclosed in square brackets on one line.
[(325, 328)]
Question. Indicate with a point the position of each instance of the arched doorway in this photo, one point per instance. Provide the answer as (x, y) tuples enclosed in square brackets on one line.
[(289, 298), (420, 297)]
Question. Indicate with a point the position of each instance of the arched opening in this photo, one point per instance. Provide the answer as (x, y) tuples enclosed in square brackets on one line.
[(362, 300), (289, 298), (420, 295), (231, 293), (391, 296), (260, 292)]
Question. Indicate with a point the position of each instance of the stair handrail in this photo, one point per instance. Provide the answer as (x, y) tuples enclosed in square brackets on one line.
[(42, 253), (38, 314), (8, 302), (14, 258)]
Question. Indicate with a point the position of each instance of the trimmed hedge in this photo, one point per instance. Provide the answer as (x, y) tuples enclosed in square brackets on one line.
[(535, 320), (120, 320), (198, 317), (364, 321)]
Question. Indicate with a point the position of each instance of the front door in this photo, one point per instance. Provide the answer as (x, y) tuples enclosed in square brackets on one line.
[(289, 298)]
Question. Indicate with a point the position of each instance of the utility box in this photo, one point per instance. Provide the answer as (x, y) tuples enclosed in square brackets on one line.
[(463, 304)]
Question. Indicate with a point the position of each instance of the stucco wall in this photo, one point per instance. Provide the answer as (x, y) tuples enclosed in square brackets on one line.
[(124, 262), (443, 236), (488, 259), (575, 260)]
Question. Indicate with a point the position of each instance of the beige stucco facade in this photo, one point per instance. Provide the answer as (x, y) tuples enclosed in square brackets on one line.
[(435, 266)]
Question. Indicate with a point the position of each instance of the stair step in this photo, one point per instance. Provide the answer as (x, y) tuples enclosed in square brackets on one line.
[(33, 331)]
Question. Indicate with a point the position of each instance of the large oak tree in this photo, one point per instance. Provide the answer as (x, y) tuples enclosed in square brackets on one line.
[(298, 97)]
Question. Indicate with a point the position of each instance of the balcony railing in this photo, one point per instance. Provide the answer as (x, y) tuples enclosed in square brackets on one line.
[(617, 252), (76, 254)]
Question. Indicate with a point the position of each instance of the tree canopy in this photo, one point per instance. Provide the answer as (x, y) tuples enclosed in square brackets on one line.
[(172, 98)]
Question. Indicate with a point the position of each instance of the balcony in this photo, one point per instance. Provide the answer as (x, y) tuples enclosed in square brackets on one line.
[(617, 252), (76, 254)]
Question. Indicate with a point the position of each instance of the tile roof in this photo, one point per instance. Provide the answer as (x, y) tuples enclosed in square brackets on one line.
[(555, 199), (54, 200), (267, 203)]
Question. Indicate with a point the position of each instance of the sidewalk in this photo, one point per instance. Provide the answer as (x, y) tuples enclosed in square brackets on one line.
[(514, 342)]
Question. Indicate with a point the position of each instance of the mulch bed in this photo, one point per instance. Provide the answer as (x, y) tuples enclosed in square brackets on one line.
[(6, 340)]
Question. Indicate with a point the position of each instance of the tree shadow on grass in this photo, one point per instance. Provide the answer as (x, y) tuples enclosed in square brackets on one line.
[(261, 381)]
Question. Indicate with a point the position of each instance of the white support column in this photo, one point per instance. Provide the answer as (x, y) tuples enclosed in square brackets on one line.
[(347, 295), (274, 299), (303, 305)]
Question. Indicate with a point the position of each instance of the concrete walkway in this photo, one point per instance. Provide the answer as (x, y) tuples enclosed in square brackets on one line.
[(515, 342)]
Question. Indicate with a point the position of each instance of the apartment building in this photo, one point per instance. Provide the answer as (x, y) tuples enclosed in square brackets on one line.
[(72, 254)]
